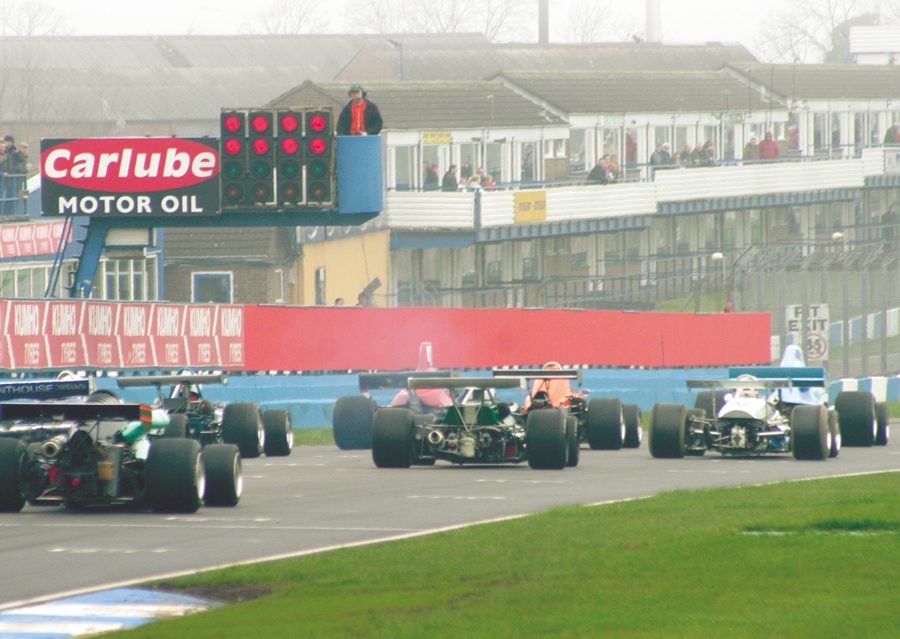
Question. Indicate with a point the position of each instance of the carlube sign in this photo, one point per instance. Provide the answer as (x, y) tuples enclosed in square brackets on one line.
[(130, 176)]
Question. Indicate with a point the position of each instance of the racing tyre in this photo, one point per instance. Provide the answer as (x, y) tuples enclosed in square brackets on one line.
[(242, 426), (605, 424), (711, 402), (279, 432), (393, 435), (545, 439), (572, 439), (667, 430), (856, 416), (835, 430), (176, 428), (882, 420), (634, 433), (351, 422), (689, 450), (809, 432), (12, 454), (176, 481), (224, 475)]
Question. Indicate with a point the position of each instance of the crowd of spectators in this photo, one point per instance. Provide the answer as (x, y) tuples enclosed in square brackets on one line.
[(13, 172)]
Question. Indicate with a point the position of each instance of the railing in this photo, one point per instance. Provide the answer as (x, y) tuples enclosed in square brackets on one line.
[(13, 195)]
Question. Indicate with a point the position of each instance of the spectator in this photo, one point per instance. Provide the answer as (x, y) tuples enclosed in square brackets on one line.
[(488, 181), (466, 171), (684, 156), (359, 116), (698, 156), (661, 155), (600, 173), (890, 136), (768, 148), (612, 168), (363, 299), (527, 165), (751, 150), (630, 151), (473, 183), (431, 177), (709, 152), (338, 301), (449, 181)]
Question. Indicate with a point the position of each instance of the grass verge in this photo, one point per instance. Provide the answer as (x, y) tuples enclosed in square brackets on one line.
[(801, 559), (313, 437)]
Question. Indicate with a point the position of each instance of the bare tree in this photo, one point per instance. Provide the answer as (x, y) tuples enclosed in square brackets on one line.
[(814, 30), (30, 18), (596, 21), (292, 17)]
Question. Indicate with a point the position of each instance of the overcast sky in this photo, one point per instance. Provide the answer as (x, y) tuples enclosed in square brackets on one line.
[(682, 21)]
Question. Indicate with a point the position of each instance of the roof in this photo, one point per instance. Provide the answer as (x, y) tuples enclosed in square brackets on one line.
[(431, 105), (826, 81), (639, 91)]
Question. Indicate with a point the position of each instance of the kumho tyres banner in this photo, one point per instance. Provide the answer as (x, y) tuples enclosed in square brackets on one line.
[(130, 177), (60, 334)]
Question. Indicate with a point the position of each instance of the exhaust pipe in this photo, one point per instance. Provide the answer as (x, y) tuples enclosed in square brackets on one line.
[(52, 447), (435, 437)]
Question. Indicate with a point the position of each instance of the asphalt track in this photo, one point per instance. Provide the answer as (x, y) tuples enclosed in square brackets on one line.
[(321, 497)]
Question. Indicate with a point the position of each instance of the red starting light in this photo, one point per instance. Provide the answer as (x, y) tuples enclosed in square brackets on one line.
[(317, 122), (232, 146), (261, 146), (289, 146), (289, 123), (260, 122), (232, 123), (318, 146)]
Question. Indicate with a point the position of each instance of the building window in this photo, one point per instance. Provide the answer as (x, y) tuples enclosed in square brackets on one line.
[(126, 279), (212, 288)]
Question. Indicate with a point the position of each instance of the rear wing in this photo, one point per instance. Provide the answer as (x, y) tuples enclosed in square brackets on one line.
[(800, 376), (467, 382), (380, 381), (739, 383), (170, 380), (67, 411), (45, 389), (540, 373)]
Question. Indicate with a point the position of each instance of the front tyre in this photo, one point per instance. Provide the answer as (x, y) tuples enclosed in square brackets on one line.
[(224, 475), (351, 422), (572, 439), (856, 416), (242, 426), (605, 424), (634, 432), (279, 433), (393, 435), (667, 424)]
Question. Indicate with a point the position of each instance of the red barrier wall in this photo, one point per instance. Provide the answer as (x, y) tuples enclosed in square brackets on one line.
[(107, 335), (329, 338)]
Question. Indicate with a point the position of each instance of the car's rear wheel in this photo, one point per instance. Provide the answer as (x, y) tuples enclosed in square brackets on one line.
[(572, 439), (634, 432), (835, 429), (393, 435), (176, 428), (667, 423), (279, 432), (176, 481), (605, 424), (242, 426), (12, 454), (545, 439), (224, 475), (351, 422), (882, 421), (856, 416), (809, 432), (711, 402)]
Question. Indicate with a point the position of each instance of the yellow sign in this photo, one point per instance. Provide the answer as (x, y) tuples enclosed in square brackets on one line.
[(436, 137), (531, 206)]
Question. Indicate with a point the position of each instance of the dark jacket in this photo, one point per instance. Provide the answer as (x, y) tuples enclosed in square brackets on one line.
[(598, 175), (371, 119)]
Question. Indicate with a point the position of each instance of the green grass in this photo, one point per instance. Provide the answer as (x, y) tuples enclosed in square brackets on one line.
[(811, 559), (313, 437)]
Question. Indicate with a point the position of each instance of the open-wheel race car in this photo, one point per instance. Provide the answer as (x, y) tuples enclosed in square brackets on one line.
[(99, 452), (243, 424), (474, 429), (759, 410), (604, 423)]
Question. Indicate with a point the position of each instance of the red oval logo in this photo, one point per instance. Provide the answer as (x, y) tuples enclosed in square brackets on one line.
[(130, 165)]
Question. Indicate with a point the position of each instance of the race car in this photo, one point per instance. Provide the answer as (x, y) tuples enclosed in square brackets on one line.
[(605, 423), (351, 421), (191, 415), (475, 429), (98, 453)]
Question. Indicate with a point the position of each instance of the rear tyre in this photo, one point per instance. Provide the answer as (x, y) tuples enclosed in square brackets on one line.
[(711, 402), (176, 481), (882, 421), (393, 434), (545, 439), (351, 422), (809, 432), (279, 432), (856, 416), (224, 475), (667, 430), (12, 454), (572, 439), (605, 424), (835, 430), (634, 432), (176, 428), (242, 426)]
